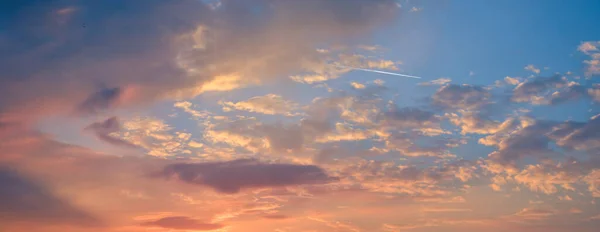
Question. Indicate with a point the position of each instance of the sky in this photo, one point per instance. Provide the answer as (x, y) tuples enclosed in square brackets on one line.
[(274, 115)]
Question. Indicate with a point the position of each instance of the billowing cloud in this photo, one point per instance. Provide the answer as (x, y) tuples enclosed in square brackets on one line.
[(233, 176)]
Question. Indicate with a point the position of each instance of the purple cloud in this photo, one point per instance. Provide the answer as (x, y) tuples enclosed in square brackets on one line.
[(232, 176)]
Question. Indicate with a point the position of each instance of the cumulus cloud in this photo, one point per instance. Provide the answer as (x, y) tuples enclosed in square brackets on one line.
[(182, 223), (233, 176)]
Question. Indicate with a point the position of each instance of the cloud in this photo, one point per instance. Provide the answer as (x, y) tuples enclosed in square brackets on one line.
[(233, 176), (581, 136), (23, 200), (99, 101), (532, 68), (187, 107), (472, 123), (182, 223), (411, 119), (357, 85), (103, 131), (155, 136), (535, 213), (512, 80), (572, 91), (590, 48), (594, 92), (545, 178), (415, 9), (539, 90), (528, 140), (466, 97), (267, 104), (165, 49)]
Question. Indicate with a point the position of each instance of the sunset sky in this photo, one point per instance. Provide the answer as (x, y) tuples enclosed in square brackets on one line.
[(262, 115)]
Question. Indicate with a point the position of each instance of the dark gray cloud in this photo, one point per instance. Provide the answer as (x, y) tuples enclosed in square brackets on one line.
[(232, 176), (102, 130), (23, 200), (182, 223)]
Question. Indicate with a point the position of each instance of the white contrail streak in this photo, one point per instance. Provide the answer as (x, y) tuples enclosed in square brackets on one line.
[(382, 72)]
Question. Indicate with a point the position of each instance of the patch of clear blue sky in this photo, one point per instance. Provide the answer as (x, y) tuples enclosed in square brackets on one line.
[(494, 39)]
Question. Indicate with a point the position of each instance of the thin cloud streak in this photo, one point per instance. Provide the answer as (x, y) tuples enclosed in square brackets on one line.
[(382, 72)]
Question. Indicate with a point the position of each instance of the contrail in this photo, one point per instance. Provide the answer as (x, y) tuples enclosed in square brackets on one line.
[(382, 72)]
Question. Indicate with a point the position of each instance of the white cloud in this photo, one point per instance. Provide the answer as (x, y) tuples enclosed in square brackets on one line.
[(532, 68)]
